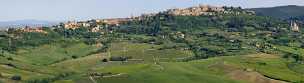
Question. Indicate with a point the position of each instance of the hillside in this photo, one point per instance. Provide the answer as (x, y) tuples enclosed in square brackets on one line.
[(223, 45), (283, 12)]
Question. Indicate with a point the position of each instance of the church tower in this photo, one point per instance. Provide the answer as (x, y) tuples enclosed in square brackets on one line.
[(294, 26)]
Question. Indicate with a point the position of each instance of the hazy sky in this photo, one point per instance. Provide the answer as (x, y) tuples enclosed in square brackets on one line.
[(59, 10)]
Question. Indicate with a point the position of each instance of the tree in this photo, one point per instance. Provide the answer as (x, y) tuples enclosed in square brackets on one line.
[(16, 77), (236, 24), (10, 58), (302, 45), (74, 57), (298, 58)]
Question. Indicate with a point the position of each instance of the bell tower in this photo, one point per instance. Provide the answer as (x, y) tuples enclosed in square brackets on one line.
[(294, 26)]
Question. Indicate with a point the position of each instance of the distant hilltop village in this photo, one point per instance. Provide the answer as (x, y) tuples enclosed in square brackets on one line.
[(96, 25), (191, 11), (207, 10), (196, 11)]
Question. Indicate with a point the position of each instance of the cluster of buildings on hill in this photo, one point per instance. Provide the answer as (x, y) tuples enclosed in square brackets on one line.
[(207, 10), (38, 29), (196, 10), (96, 25), (35, 29)]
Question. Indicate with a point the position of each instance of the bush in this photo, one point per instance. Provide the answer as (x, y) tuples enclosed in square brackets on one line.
[(74, 57), (104, 60), (10, 58), (261, 63), (16, 77), (119, 58), (46, 80)]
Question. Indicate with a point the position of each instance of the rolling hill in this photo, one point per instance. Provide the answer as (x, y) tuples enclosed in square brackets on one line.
[(283, 12)]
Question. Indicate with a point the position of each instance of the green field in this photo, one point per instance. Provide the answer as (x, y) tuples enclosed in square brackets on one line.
[(155, 66), (213, 70), (147, 52), (49, 54), (35, 63)]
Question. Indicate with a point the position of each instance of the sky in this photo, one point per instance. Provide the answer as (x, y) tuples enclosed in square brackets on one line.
[(63, 10)]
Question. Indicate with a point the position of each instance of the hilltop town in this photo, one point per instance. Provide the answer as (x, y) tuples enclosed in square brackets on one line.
[(191, 11), (96, 25)]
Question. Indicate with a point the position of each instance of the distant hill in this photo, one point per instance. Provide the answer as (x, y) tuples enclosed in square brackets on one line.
[(21, 23), (283, 12)]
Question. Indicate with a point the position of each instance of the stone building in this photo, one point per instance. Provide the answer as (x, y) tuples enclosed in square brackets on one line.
[(71, 25)]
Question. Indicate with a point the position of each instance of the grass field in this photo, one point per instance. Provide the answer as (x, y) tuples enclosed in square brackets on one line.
[(269, 65), (293, 50), (48, 61), (173, 72), (213, 70), (33, 63), (146, 51), (49, 54), (164, 73)]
